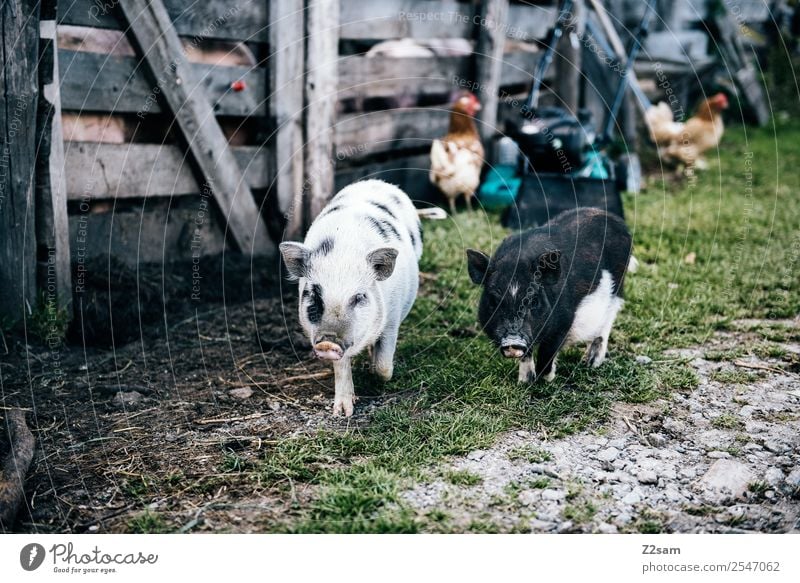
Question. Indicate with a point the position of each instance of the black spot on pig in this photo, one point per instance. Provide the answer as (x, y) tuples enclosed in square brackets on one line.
[(384, 228), (315, 307), (325, 247), (384, 208)]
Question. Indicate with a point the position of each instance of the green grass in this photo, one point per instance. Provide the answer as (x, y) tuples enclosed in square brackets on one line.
[(530, 453), (48, 322), (455, 394), (462, 478), (727, 421)]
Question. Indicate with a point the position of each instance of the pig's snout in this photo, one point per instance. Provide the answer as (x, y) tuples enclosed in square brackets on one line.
[(513, 347), (328, 347)]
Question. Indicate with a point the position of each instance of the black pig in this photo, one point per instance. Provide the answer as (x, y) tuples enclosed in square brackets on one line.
[(554, 285)]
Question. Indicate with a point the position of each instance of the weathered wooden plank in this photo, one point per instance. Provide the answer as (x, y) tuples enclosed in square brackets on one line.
[(96, 82), (151, 232), (435, 19), (410, 173), (361, 135), (286, 65), (567, 61), (219, 19), (157, 40), (489, 62), (321, 79), (19, 48), (101, 171), (361, 76), (52, 226)]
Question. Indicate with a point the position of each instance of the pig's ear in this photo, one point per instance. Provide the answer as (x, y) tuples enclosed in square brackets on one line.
[(549, 265), (295, 256), (477, 264), (382, 262)]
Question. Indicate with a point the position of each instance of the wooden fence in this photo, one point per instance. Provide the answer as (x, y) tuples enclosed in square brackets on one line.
[(188, 157)]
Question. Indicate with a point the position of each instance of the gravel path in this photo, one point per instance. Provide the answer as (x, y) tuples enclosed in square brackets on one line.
[(722, 458)]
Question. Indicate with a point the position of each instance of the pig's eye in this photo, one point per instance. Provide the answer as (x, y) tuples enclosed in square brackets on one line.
[(358, 300)]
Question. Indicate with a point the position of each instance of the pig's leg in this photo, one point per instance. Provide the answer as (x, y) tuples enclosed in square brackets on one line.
[(344, 394), (596, 354), (527, 369), (546, 359), (383, 355), (468, 198), (452, 206)]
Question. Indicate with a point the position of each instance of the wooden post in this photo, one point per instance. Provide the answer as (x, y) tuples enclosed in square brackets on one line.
[(286, 63), (489, 65), (568, 61), (19, 55), (52, 226), (219, 172), (322, 80)]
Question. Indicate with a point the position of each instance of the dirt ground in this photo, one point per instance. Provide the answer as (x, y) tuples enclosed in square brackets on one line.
[(166, 421)]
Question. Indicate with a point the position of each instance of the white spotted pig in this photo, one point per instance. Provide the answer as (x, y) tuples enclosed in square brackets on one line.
[(557, 284), (358, 276)]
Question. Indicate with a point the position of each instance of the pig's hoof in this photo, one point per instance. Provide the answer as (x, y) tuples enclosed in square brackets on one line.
[(384, 373), (549, 377), (344, 407), (595, 355)]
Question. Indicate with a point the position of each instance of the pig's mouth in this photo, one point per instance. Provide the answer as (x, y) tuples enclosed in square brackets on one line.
[(328, 350), (513, 347)]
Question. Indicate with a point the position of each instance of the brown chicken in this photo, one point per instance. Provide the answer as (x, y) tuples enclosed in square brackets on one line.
[(687, 142), (457, 158)]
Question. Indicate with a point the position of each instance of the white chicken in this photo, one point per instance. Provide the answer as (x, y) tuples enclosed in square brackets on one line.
[(457, 158)]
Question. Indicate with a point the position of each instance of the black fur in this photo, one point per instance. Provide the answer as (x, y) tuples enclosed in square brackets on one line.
[(554, 267), (384, 208), (325, 247), (384, 228), (316, 307)]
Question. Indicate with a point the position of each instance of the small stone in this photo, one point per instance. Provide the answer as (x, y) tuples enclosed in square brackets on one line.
[(775, 446), (725, 480), (773, 476), (127, 400), (632, 498), (719, 455), (623, 518), (565, 526), (647, 477), (793, 479), (641, 359), (541, 525), (606, 528), (274, 405), (555, 495), (769, 494), (608, 455), (619, 442), (476, 455), (529, 497), (657, 439), (241, 393), (747, 411)]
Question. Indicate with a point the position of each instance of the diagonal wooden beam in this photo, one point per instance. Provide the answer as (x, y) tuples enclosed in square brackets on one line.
[(219, 173)]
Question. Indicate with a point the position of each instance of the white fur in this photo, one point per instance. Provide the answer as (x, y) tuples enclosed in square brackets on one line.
[(595, 316), (527, 369), (344, 272)]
